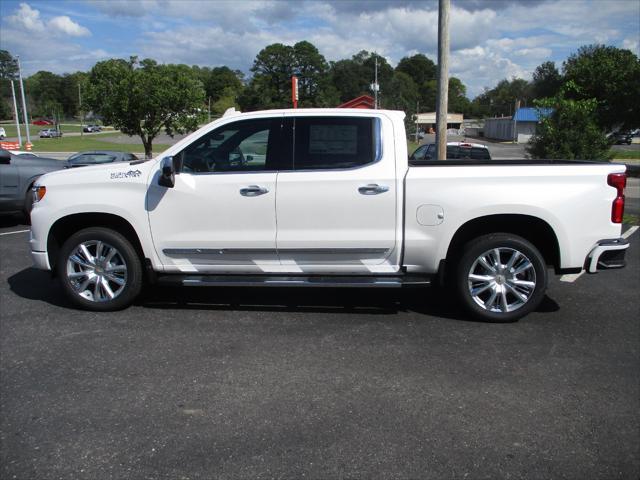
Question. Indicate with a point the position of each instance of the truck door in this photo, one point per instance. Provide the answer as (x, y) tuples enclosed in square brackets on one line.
[(336, 203), (220, 216)]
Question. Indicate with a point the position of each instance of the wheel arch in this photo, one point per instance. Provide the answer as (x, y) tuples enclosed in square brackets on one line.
[(533, 229), (66, 226)]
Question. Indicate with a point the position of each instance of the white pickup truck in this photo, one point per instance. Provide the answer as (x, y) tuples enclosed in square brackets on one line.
[(325, 198)]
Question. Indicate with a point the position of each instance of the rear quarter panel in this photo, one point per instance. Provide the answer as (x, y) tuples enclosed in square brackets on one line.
[(574, 200)]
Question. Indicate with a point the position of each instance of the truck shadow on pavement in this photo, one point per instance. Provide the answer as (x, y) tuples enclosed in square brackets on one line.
[(12, 220), (34, 284)]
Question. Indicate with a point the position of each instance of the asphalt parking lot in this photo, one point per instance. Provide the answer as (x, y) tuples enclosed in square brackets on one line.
[(249, 383)]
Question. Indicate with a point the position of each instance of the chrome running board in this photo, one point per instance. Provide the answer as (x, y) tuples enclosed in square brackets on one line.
[(397, 281)]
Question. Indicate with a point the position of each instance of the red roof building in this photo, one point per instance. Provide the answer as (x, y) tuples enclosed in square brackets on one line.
[(363, 101)]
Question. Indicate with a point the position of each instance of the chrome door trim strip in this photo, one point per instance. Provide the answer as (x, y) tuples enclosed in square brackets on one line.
[(250, 251)]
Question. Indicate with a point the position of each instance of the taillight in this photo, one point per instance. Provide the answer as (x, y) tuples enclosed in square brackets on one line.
[(619, 182)]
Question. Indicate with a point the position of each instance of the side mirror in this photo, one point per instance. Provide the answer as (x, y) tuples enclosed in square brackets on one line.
[(427, 156), (167, 173)]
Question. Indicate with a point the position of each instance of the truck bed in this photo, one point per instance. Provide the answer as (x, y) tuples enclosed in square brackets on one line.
[(571, 197)]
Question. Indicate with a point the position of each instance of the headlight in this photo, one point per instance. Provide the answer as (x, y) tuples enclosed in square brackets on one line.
[(39, 192)]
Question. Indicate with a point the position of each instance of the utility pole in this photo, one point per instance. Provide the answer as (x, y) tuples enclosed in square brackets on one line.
[(15, 112), (442, 108), (81, 113), (24, 102), (515, 122), (209, 110), (417, 124), (376, 84)]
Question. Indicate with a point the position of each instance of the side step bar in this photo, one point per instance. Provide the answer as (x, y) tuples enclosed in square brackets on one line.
[(294, 281)]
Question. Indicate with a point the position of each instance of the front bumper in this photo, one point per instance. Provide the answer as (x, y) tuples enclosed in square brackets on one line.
[(607, 254), (40, 260)]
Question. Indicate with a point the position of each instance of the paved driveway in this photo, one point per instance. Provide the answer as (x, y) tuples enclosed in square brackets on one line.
[(246, 383)]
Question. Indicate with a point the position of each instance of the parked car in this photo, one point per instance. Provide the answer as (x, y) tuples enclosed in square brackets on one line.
[(622, 138), (50, 133), (3, 133), (455, 151), (42, 121), (331, 201), (97, 157), (18, 172), (92, 128)]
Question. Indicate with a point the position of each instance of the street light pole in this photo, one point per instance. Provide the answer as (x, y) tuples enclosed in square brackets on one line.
[(442, 109), (376, 84), (15, 112), (24, 102)]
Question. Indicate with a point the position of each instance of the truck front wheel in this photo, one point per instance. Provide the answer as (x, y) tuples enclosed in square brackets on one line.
[(500, 277), (99, 270)]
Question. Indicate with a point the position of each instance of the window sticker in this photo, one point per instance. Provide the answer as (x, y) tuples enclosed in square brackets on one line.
[(333, 139)]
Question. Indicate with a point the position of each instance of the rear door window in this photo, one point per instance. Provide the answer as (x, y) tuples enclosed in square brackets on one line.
[(326, 143)]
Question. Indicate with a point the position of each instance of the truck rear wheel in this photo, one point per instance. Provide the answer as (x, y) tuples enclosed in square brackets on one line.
[(500, 277), (99, 270)]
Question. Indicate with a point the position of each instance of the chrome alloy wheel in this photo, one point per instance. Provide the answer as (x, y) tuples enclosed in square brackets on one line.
[(502, 280), (96, 271)]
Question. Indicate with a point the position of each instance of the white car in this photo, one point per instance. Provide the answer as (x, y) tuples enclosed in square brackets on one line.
[(3, 133), (325, 197)]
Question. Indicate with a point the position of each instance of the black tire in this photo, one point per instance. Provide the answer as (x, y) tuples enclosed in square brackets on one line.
[(504, 293), (123, 267)]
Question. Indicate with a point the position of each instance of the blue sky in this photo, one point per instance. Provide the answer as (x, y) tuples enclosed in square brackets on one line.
[(490, 39)]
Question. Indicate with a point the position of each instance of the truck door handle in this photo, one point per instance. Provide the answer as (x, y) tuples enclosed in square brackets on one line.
[(373, 189), (253, 191)]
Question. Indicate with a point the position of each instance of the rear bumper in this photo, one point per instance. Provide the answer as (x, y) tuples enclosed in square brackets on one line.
[(606, 255)]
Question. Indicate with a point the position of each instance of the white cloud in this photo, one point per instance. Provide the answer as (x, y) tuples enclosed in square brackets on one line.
[(64, 24), (30, 20), (631, 44), (490, 39), (27, 18), (126, 8)]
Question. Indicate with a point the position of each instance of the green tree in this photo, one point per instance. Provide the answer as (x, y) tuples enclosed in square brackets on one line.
[(222, 81), (312, 69), (571, 131), (270, 86), (8, 72), (501, 99), (143, 98), (70, 94), (353, 77), (8, 66), (546, 80), (612, 76), (419, 68), (403, 95), (44, 94), (458, 101), (273, 68)]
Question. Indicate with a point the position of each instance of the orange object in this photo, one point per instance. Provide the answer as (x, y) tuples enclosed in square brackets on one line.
[(10, 145)]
